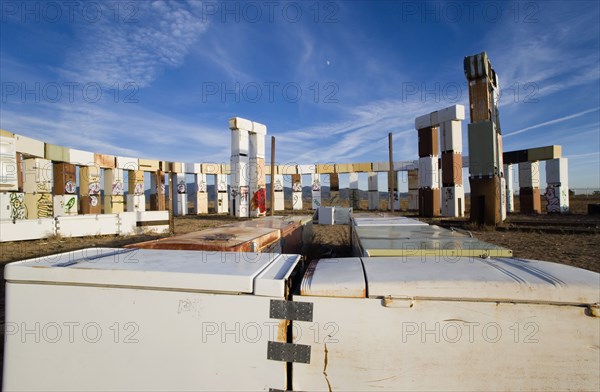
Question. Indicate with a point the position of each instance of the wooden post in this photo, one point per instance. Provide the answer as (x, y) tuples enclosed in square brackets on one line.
[(160, 192), (20, 172), (391, 179), (170, 204), (272, 175)]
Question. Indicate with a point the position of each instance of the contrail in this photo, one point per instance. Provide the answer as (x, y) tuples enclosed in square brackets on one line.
[(555, 121)]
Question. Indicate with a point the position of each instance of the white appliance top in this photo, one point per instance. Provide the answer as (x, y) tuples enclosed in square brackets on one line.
[(343, 277), (363, 220), (228, 272), (457, 278)]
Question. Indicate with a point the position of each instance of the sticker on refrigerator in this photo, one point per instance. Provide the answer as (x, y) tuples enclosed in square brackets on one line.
[(70, 187), (93, 200), (278, 186), (69, 204), (244, 193), (181, 187)]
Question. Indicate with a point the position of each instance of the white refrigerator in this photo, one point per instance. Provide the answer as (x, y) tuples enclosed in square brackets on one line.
[(104, 319)]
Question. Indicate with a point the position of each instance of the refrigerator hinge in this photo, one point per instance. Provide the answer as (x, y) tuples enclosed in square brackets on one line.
[(290, 310)]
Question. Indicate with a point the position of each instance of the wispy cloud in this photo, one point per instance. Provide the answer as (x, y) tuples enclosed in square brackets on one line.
[(550, 55), (115, 51), (362, 135), (130, 131), (551, 122)]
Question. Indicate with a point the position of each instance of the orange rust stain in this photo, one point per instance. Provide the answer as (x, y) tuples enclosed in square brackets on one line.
[(282, 330)]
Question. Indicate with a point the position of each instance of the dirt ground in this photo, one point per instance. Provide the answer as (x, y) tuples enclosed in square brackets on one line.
[(572, 239)]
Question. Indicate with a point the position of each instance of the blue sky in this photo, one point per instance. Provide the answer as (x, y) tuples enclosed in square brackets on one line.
[(329, 79)]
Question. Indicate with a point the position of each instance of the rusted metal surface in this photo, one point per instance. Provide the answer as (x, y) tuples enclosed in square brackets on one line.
[(291, 230), (278, 234), (226, 239)]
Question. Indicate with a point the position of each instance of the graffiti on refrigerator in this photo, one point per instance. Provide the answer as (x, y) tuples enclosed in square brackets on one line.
[(117, 188), (94, 188), (139, 188), (43, 186), (552, 199), (17, 206), (44, 205), (316, 185), (259, 200)]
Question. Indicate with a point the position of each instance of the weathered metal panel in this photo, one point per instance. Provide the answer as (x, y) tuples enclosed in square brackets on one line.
[(149, 165), (81, 158), (435, 337), (338, 277), (226, 239), (292, 230), (529, 175), (483, 148), (544, 153), (29, 147), (127, 163), (362, 167), (56, 153), (326, 168), (38, 175), (344, 168), (27, 229), (230, 360), (12, 206), (9, 180), (449, 248), (557, 171), (87, 225), (136, 203), (65, 205), (104, 161), (374, 220)]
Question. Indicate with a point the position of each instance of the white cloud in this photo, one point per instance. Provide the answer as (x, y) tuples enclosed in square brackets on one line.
[(115, 51)]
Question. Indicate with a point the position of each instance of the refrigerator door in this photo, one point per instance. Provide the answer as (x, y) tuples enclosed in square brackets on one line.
[(425, 241), (223, 272), (360, 220), (454, 325), (145, 320), (479, 279)]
